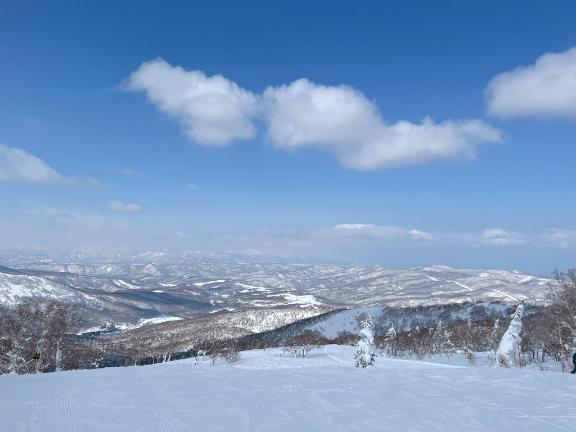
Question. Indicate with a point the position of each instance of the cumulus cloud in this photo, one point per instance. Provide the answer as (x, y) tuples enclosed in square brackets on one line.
[(342, 121), (17, 165), (211, 109), (123, 207), (547, 88), (335, 119)]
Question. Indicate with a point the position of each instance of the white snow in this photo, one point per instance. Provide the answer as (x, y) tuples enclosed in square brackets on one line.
[(462, 285), (345, 321), (505, 295), (526, 279), (267, 392), (201, 284), (304, 300), (14, 287), (126, 326), (143, 322), (251, 287), (124, 284)]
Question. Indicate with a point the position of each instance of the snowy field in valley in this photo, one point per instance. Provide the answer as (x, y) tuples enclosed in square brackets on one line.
[(267, 391)]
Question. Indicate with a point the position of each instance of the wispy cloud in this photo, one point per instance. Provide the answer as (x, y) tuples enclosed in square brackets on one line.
[(54, 213), (379, 232), (501, 237), (19, 166), (562, 238)]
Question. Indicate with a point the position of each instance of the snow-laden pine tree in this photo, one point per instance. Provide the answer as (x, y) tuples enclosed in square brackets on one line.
[(365, 355), (508, 353)]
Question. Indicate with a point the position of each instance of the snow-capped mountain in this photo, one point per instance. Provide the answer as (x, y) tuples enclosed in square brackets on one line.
[(153, 284)]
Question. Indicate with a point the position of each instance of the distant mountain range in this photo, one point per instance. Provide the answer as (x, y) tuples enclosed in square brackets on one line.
[(148, 285)]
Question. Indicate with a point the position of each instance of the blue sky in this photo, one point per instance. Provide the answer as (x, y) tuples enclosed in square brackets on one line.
[(117, 135)]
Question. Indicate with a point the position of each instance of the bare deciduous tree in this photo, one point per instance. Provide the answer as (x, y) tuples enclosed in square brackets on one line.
[(563, 313), (301, 344), (32, 336)]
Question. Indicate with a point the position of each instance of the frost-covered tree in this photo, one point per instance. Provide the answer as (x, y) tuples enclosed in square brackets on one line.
[(390, 344), (494, 339), (365, 355), (441, 342), (58, 357), (508, 353)]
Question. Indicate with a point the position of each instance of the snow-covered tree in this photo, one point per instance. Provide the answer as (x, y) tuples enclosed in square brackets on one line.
[(508, 353), (390, 345), (365, 355), (494, 335), (441, 342), (58, 357)]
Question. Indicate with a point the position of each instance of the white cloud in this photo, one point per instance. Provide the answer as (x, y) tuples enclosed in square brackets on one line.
[(122, 207), (55, 213), (212, 109), (378, 231), (17, 165), (342, 121), (336, 119), (547, 88), (354, 227), (500, 237), (192, 187)]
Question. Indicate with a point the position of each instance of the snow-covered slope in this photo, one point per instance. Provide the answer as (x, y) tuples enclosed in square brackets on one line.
[(267, 392), (181, 335), (15, 286)]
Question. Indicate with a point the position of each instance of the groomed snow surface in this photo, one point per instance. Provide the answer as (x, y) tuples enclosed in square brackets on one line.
[(267, 391)]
